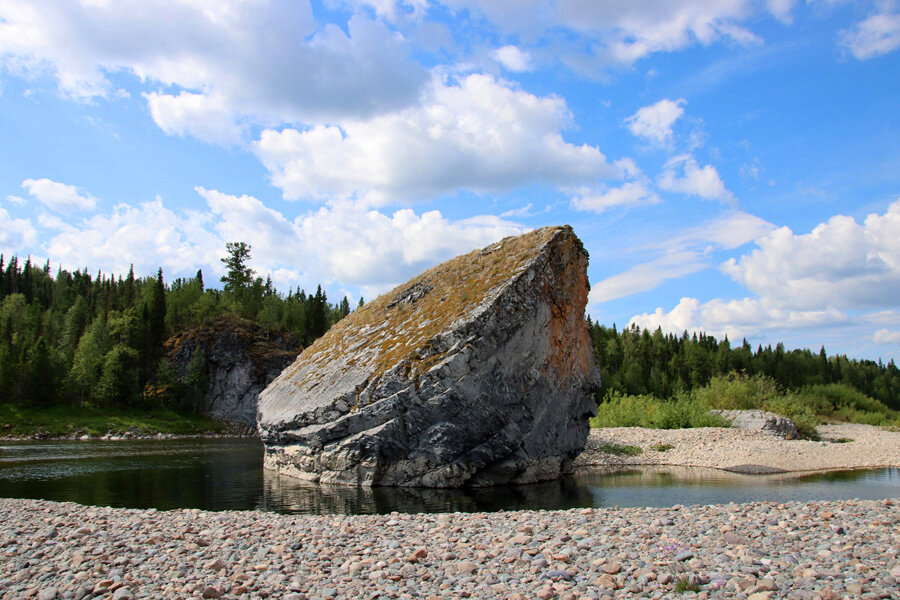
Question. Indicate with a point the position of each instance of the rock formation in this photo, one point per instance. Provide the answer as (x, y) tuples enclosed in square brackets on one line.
[(240, 357), (480, 371), (760, 420)]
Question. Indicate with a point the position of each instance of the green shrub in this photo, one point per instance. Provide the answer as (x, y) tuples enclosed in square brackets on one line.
[(620, 450), (738, 391), (682, 411)]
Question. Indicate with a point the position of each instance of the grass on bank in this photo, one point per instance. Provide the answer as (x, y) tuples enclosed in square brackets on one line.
[(64, 421), (807, 408)]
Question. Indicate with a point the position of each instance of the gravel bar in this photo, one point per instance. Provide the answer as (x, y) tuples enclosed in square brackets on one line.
[(843, 446), (826, 550)]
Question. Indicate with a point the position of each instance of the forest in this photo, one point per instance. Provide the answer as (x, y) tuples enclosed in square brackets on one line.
[(97, 340), (83, 340), (640, 362)]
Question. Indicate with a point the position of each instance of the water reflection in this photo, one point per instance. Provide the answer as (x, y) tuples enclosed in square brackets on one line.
[(285, 494), (227, 474)]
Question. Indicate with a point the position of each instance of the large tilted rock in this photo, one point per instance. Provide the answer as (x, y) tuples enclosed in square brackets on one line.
[(480, 371)]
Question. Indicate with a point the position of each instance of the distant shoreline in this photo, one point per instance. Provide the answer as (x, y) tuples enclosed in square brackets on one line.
[(119, 437)]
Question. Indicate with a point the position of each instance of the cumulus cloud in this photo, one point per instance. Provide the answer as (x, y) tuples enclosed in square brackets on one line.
[(654, 122), (340, 243), (478, 134), (878, 34), (625, 32), (513, 59), (15, 234), (148, 235), (632, 193), (688, 252), (694, 180), (803, 281), (735, 318), (885, 336), (840, 263), (268, 59), (59, 196), (204, 117)]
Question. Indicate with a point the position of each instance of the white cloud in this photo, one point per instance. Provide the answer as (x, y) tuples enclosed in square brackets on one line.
[(804, 281), (695, 180), (148, 235), (377, 251), (204, 117), (781, 9), (624, 32), (878, 34), (885, 336), (15, 234), (513, 59), (341, 243), (632, 193), (263, 59), (680, 255), (646, 276), (840, 264), (654, 122), (18, 200), (735, 318), (59, 196), (478, 134)]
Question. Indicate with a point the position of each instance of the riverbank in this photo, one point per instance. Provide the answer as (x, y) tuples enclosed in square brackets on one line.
[(21, 423), (762, 550), (843, 446)]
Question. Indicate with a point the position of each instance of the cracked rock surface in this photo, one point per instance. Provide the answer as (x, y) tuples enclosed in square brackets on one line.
[(478, 372)]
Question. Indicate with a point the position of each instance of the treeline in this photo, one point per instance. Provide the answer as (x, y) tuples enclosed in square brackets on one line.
[(636, 361), (71, 337)]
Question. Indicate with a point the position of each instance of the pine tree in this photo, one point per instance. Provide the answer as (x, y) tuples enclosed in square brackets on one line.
[(239, 276)]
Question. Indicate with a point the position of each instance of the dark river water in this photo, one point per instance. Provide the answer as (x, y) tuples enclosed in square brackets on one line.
[(227, 474)]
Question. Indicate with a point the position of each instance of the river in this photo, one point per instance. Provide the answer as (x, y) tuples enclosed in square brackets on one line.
[(227, 474)]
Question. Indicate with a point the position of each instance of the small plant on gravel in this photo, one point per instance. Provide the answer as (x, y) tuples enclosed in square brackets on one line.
[(684, 585), (662, 447), (620, 450), (678, 554), (841, 440)]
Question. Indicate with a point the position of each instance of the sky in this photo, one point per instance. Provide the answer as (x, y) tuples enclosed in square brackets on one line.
[(731, 166)]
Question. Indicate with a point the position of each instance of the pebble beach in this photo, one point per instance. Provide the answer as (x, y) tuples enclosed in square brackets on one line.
[(815, 550)]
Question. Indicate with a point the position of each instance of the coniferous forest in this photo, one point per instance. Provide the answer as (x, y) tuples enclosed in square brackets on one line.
[(642, 362), (97, 340)]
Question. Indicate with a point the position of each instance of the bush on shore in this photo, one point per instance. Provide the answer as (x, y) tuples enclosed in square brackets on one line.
[(807, 408)]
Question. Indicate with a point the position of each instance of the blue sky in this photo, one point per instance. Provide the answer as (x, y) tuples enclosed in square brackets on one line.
[(731, 165)]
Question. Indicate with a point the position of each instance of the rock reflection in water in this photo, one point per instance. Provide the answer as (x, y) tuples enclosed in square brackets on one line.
[(289, 495)]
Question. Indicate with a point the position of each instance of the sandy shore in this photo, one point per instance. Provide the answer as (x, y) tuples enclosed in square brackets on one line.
[(723, 448)]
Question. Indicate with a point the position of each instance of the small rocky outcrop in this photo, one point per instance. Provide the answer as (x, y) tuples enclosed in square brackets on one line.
[(240, 358), (760, 420), (479, 371)]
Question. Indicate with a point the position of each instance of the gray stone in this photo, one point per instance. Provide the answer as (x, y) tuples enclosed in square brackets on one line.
[(760, 420), (123, 594), (240, 357), (478, 372)]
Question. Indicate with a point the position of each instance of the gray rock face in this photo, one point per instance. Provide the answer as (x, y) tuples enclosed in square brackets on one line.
[(478, 372), (759, 420), (240, 359)]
